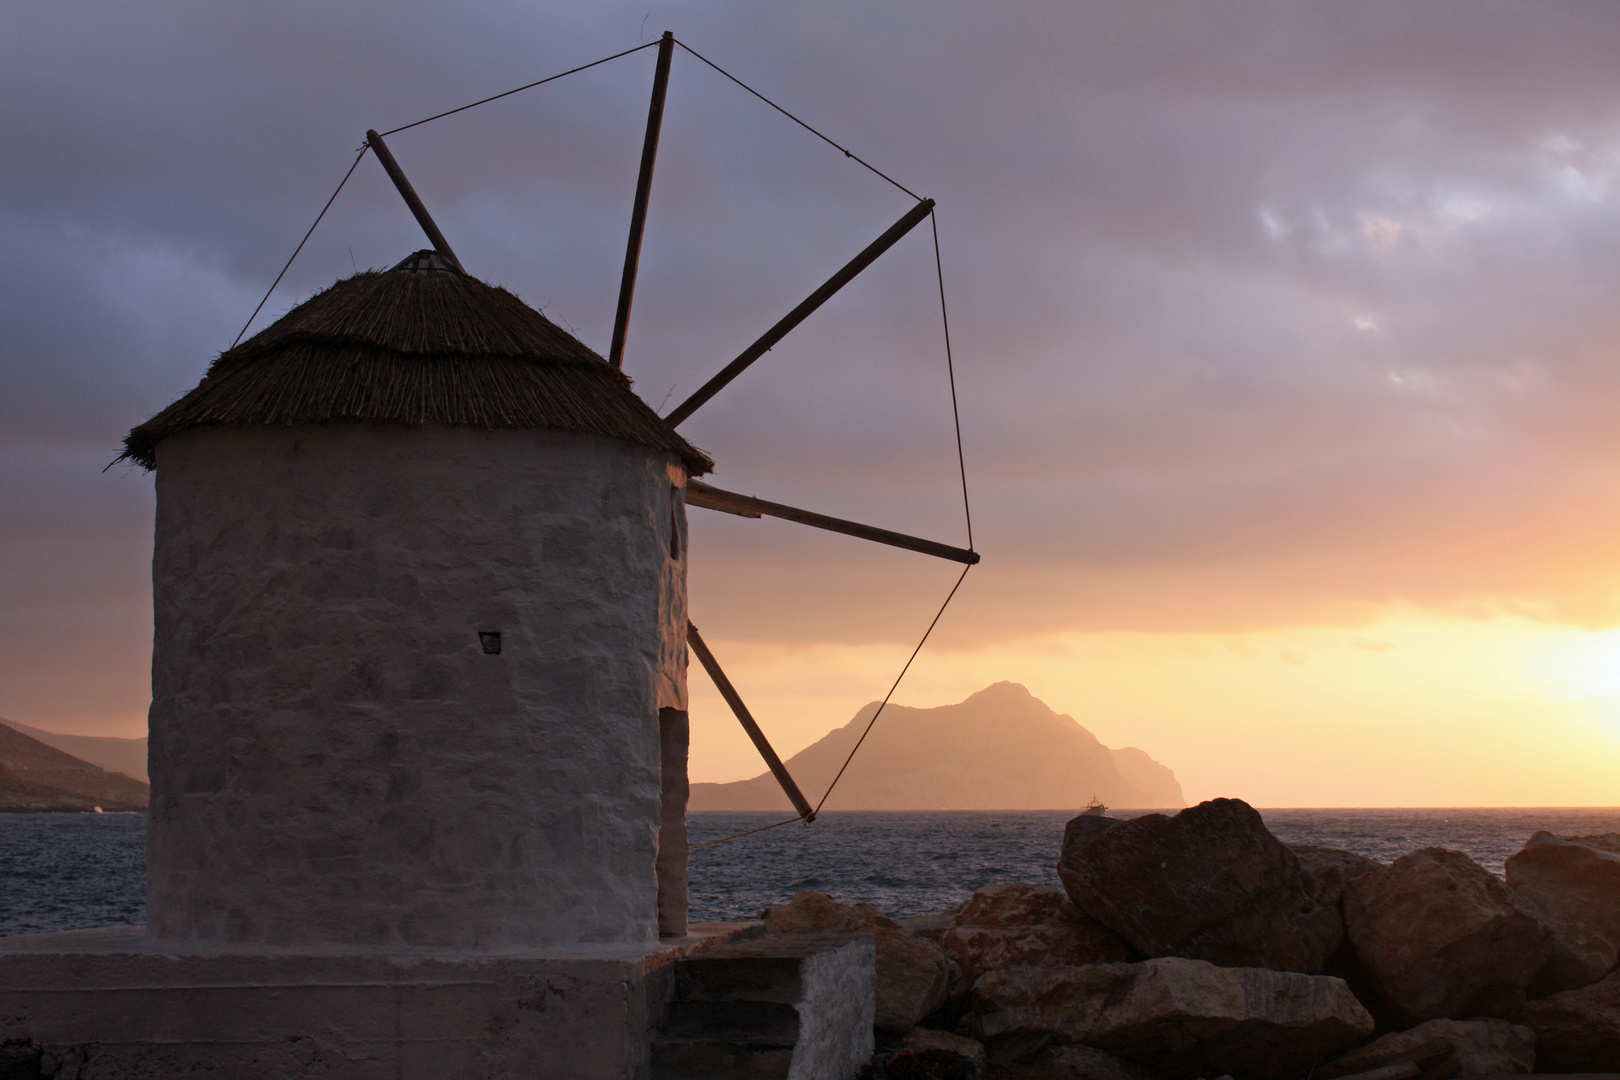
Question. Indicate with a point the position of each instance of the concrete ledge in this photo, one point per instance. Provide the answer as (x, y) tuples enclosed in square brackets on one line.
[(796, 1006), (133, 1009)]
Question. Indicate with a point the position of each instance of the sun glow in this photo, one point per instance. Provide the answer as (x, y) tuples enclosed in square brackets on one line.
[(1582, 669), (1577, 665)]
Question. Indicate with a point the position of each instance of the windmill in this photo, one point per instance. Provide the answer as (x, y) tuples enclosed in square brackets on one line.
[(383, 378)]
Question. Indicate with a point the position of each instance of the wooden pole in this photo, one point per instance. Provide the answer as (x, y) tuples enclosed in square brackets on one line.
[(802, 312), (729, 692), (638, 213), (712, 498), (408, 193)]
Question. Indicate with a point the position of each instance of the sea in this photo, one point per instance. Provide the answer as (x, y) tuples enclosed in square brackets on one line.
[(73, 871)]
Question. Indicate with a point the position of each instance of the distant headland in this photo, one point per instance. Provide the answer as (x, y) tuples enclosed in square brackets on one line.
[(36, 777), (1001, 749)]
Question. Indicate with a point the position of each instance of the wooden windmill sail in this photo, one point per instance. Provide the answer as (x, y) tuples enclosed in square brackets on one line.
[(698, 493)]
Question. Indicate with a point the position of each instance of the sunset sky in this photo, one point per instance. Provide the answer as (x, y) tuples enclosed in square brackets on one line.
[(1287, 342)]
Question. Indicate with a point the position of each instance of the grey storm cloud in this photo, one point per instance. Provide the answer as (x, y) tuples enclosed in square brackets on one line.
[(1263, 313)]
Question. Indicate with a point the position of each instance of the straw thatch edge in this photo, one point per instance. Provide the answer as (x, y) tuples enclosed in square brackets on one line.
[(415, 349)]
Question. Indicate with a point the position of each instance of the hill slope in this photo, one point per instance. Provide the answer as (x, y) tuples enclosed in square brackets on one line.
[(127, 756), (34, 776), (1001, 749)]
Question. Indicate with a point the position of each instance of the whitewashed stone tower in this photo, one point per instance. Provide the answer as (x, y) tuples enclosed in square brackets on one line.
[(419, 658)]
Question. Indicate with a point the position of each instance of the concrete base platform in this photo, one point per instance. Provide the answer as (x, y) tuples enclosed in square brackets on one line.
[(108, 1004)]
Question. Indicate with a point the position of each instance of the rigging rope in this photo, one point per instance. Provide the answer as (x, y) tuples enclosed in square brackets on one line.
[(893, 688), (519, 90), (950, 369), (846, 152), (300, 246), (881, 706), (750, 832)]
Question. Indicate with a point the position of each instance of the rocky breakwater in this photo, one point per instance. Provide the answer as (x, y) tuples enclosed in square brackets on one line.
[(1199, 945)]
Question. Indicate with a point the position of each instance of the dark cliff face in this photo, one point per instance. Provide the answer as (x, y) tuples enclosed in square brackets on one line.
[(36, 777), (127, 756), (1001, 749)]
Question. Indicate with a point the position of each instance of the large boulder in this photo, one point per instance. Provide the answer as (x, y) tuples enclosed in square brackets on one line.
[(912, 973), (1082, 830), (1008, 925), (1578, 1030), (933, 1039), (1329, 868), (1574, 883), (1479, 1048), (928, 926), (1210, 883), (1087, 1063), (1183, 1016), (1440, 936), (1016, 904)]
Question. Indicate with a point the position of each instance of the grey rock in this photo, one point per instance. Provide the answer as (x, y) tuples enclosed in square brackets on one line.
[(1329, 868), (1187, 1017), (912, 980), (1574, 883), (933, 1039), (977, 949), (1210, 884), (1012, 924), (929, 926), (1482, 1047), (1578, 1030), (1440, 936), (1016, 904), (1088, 1063), (1082, 830)]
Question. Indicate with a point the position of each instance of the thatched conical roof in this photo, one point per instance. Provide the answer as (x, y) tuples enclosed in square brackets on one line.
[(421, 343)]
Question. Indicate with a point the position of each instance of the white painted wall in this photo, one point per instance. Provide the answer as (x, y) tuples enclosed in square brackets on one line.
[(335, 761)]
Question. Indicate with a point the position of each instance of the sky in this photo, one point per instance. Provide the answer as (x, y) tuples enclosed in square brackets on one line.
[(1284, 337)]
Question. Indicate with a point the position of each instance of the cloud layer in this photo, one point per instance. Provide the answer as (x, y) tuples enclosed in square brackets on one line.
[(1264, 315)]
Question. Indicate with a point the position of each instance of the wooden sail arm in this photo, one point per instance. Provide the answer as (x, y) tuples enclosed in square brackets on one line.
[(712, 498), (800, 804), (408, 193), (638, 211), (799, 314)]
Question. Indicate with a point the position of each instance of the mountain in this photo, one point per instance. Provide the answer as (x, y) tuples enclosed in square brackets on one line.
[(1001, 749), (127, 756), (34, 776)]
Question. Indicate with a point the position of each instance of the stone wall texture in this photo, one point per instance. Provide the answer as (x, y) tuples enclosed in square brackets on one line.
[(336, 759)]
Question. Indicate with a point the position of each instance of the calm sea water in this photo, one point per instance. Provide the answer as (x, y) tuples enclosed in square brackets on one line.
[(67, 871)]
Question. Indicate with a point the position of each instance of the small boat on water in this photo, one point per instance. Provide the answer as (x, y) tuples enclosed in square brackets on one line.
[(1094, 808)]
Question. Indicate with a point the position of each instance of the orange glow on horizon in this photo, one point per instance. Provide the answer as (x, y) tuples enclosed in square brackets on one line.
[(1414, 710)]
